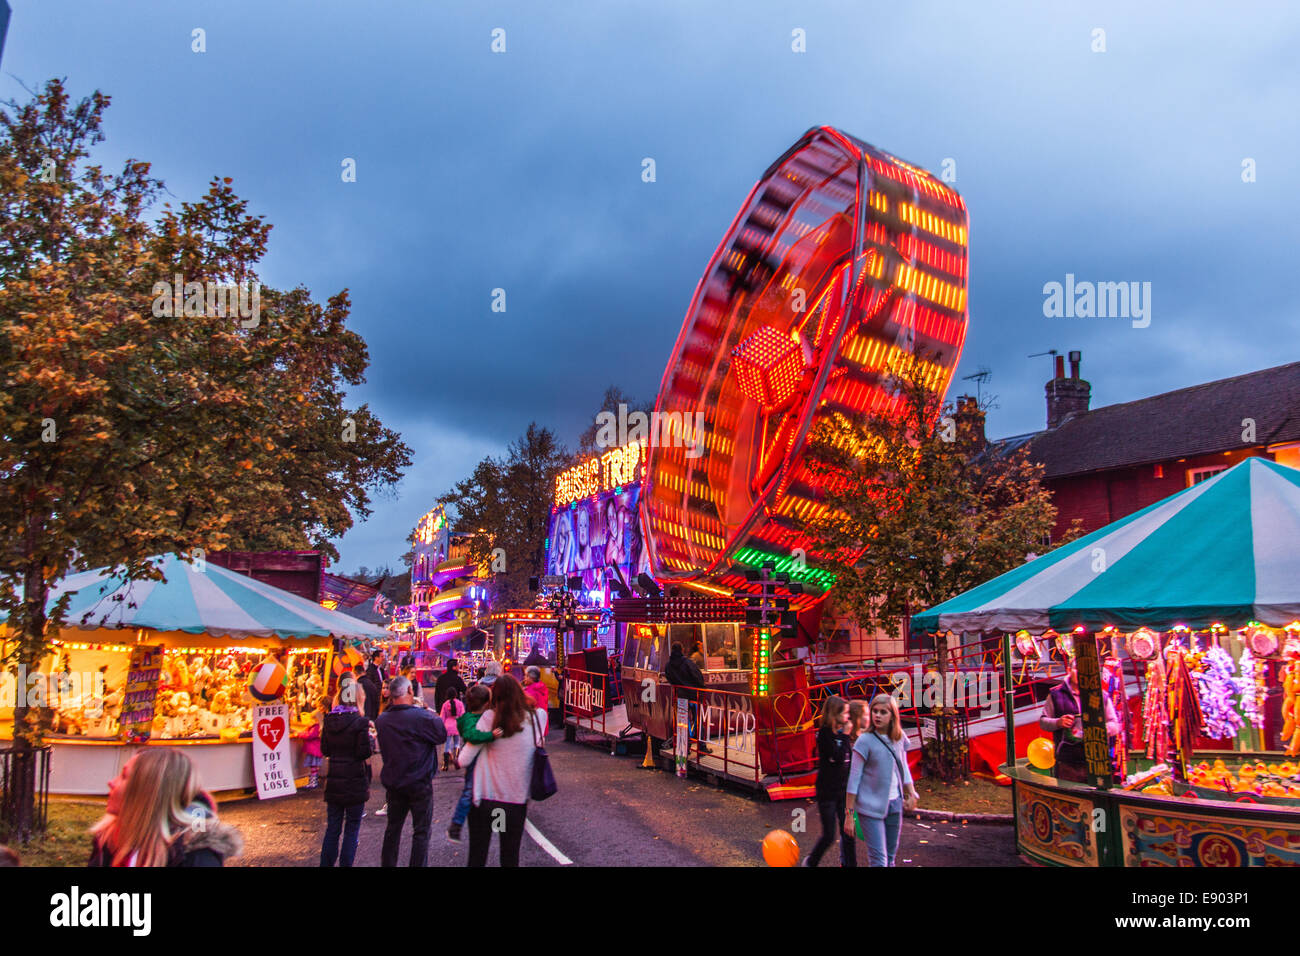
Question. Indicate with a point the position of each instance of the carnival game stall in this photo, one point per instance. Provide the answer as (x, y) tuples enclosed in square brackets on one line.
[(180, 662), (1196, 601)]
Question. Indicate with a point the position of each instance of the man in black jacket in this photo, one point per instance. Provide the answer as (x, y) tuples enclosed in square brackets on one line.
[(372, 690), (685, 676), (375, 675), (449, 679), (408, 743)]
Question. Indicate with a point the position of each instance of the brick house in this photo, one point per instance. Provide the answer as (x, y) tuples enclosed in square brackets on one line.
[(1103, 464)]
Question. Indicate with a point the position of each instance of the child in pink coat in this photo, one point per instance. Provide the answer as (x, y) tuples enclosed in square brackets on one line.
[(452, 708), (312, 757)]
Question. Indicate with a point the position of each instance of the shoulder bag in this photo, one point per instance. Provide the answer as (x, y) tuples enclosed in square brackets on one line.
[(543, 783), (857, 825)]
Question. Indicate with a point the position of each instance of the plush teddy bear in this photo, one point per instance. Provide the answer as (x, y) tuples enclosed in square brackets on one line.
[(70, 720), (202, 678), (193, 720)]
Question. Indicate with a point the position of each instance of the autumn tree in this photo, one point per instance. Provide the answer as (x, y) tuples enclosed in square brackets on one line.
[(614, 397), (921, 508), (505, 504), (139, 418)]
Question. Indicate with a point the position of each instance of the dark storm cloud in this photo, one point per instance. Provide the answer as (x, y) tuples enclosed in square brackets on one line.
[(522, 171)]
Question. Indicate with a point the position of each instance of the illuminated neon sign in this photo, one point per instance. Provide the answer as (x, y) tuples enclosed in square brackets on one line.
[(430, 525), (607, 472)]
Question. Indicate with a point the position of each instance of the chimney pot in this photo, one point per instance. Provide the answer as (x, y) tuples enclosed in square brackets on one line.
[(1067, 397)]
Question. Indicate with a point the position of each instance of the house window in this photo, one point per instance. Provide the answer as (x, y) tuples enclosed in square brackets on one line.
[(1197, 475)]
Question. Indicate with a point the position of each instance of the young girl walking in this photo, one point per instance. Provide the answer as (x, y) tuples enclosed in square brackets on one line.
[(834, 750), (880, 784)]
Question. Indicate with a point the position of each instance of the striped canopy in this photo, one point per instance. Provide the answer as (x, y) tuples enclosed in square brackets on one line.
[(1224, 551), (215, 601)]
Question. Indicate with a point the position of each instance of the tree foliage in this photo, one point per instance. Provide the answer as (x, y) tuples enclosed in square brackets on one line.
[(921, 508), (505, 505), (614, 397), (129, 432)]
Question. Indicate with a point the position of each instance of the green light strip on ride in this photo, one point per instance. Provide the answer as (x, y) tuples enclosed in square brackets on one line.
[(754, 558)]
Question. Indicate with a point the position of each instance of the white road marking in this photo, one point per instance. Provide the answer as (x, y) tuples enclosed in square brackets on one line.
[(546, 844)]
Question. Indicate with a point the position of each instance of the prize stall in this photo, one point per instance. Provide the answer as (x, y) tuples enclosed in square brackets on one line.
[(1194, 600), (176, 663)]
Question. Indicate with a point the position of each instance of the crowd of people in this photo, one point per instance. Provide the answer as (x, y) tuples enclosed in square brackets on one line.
[(491, 728), (158, 814)]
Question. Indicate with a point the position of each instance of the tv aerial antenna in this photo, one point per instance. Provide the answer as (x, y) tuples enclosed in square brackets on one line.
[(979, 377), (1053, 353)]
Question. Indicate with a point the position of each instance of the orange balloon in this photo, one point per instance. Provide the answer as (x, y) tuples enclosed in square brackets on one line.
[(780, 849), (1041, 753)]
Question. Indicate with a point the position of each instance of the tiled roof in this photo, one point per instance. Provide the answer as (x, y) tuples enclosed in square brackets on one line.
[(1199, 420)]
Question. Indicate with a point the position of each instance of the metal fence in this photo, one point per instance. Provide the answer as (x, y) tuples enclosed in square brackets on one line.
[(741, 737), (24, 783)]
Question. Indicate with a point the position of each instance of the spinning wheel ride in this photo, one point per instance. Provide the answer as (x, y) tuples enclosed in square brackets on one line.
[(842, 260)]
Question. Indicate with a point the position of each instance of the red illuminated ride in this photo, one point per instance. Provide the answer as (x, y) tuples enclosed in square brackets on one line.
[(842, 259)]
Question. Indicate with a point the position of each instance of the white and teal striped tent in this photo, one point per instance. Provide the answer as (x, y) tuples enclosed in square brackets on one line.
[(1224, 551), (214, 602)]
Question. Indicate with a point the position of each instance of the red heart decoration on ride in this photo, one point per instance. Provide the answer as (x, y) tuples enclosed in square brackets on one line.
[(271, 731)]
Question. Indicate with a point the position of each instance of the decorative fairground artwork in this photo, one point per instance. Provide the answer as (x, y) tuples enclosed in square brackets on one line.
[(1156, 836), (728, 720), (272, 753), (682, 743), (141, 696), (1056, 827), (595, 528)]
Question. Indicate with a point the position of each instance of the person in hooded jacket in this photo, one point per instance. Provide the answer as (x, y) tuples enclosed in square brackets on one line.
[(449, 680), (372, 693), (687, 681), (157, 814), (345, 740)]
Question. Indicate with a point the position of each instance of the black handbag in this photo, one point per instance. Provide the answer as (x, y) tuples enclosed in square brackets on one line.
[(543, 783)]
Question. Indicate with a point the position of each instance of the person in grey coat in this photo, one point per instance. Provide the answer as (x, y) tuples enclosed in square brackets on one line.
[(880, 783)]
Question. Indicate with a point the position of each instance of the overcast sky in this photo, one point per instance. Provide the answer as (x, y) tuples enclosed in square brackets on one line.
[(522, 170)]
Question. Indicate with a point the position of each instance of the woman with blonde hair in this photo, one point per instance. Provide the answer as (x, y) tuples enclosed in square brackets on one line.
[(158, 815), (857, 719), (880, 783)]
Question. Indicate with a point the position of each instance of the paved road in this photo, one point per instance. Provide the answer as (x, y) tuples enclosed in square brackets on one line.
[(608, 812)]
